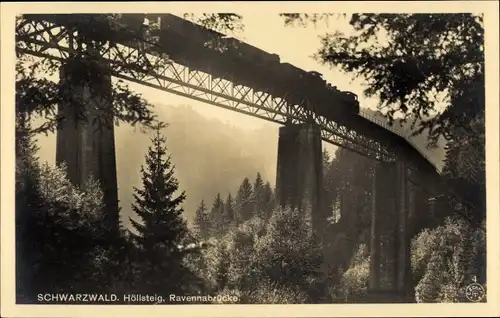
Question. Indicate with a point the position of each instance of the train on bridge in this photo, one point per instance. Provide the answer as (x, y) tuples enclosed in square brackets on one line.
[(208, 51)]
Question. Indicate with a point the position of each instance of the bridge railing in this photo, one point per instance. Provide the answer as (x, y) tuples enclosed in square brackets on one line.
[(400, 133)]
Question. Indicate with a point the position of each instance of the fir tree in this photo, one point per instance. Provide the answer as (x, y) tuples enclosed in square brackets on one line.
[(326, 161), (259, 200), (268, 200), (201, 222), (27, 201), (163, 228), (244, 201), (259, 183), (217, 216), (229, 211), (25, 148)]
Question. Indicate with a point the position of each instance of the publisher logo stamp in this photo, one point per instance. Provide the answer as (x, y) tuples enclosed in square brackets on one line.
[(474, 292)]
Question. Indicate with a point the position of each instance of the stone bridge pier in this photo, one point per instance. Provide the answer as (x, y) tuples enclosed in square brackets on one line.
[(85, 143), (299, 178), (400, 209)]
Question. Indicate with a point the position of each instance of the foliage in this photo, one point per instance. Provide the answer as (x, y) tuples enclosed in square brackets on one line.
[(263, 197), (252, 259), (258, 188), (221, 22), (304, 19), (58, 226), (162, 229), (445, 56), (465, 172), (447, 259), (212, 264), (202, 224), (252, 200), (275, 262), (25, 149), (354, 281), (245, 201), (254, 252), (217, 215), (290, 256), (230, 212)]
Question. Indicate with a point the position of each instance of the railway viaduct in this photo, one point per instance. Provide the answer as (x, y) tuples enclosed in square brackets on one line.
[(186, 59)]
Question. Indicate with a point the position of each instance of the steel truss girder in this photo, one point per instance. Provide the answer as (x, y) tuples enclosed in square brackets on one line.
[(138, 64)]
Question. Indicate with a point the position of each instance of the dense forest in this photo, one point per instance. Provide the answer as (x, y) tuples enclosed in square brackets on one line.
[(242, 243)]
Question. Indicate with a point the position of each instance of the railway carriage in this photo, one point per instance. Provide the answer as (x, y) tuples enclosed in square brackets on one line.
[(190, 44), (252, 66), (291, 83)]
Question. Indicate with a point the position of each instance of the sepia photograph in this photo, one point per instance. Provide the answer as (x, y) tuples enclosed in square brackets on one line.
[(184, 157)]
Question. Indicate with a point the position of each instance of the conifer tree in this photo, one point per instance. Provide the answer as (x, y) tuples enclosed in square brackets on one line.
[(162, 228), (268, 198), (326, 161), (289, 256), (244, 201), (201, 221), (27, 200), (259, 200), (229, 211), (259, 183), (217, 216)]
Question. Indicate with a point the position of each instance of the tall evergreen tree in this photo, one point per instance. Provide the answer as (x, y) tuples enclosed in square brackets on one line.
[(217, 216), (244, 201), (162, 228), (259, 199), (326, 161), (269, 200), (230, 211), (27, 200), (259, 183), (202, 222)]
